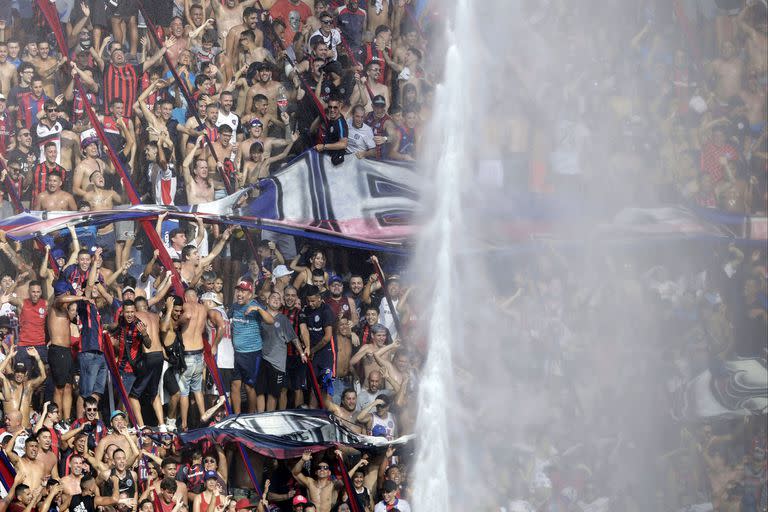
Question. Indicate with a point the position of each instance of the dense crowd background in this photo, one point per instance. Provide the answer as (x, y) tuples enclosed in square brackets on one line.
[(658, 103)]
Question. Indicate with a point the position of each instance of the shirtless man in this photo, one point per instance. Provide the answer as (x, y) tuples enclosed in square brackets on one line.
[(181, 43), (87, 166), (323, 491), (97, 197), (260, 111), (256, 166), (720, 473), (71, 483), (347, 410), (223, 150), (248, 52), (53, 199), (378, 14), (757, 41), (367, 353), (61, 313), (18, 391), (148, 379), (227, 16), (198, 182), (118, 437), (266, 86), (345, 340), (368, 87), (46, 66), (755, 102), (192, 322), (8, 75), (193, 265), (46, 455), (34, 469), (727, 71)]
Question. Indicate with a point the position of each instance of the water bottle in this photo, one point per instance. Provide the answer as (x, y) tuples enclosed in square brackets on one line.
[(282, 99)]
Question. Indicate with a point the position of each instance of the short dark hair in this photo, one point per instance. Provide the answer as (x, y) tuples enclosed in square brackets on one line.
[(381, 29), (169, 484), (139, 299), (312, 290), (128, 303)]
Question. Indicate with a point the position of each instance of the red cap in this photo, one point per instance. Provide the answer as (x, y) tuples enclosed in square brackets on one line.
[(243, 503), (299, 499), (245, 285)]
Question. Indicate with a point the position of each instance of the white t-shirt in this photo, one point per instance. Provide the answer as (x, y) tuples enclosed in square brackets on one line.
[(359, 139), (331, 41), (231, 119)]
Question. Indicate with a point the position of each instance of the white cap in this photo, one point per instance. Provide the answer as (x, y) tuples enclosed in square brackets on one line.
[(280, 271), (698, 104), (211, 297)]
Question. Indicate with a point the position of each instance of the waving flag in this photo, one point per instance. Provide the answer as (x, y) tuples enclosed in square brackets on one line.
[(286, 434)]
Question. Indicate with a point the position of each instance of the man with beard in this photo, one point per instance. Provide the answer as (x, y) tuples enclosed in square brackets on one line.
[(229, 31), (347, 410), (18, 391), (34, 469), (342, 307), (266, 86), (276, 337)]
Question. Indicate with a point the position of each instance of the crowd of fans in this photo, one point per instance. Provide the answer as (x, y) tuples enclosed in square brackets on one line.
[(205, 97)]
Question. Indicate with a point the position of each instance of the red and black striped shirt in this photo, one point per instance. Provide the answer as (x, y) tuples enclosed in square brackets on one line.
[(121, 82), (40, 176), (293, 316)]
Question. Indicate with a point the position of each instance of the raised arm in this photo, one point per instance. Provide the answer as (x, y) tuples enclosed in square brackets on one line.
[(296, 470), (204, 262)]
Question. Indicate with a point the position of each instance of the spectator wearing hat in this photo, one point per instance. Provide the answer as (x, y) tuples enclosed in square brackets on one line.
[(384, 129), (212, 494), (342, 306), (382, 422), (281, 278), (298, 503), (247, 317)]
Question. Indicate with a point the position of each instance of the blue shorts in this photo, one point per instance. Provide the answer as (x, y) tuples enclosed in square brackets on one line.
[(93, 373), (191, 381), (247, 366), (128, 380)]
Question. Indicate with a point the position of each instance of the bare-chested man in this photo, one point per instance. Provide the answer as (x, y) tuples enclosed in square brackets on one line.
[(192, 322), (46, 66), (119, 437), (71, 483), (323, 491), (727, 71), (148, 379), (367, 352), (192, 264), (46, 455), (264, 85), (98, 197), (34, 469), (18, 391), (61, 315), (223, 150), (8, 75), (197, 179), (248, 52), (53, 198), (87, 166), (347, 410), (755, 102), (169, 489), (227, 17), (757, 38)]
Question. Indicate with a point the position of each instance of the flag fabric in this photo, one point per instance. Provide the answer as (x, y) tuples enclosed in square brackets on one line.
[(7, 474), (287, 434)]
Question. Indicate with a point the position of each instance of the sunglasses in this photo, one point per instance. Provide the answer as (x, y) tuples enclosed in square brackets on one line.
[(333, 108), (89, 409), (323, 468), (50, 110), (209, 460), (326, 22)]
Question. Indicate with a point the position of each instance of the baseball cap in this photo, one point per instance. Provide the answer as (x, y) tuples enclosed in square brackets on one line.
[(245, 285), (210, 475), (58, 254), (129, 289), (20, 368), (115, 414), (256, 122), (61, 287), (2, 97), (244, 503), (212, 297), (379, 431), (335, 279), (299, 500), (5, 322), (379, 101), (281, 271), (88, 141)]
